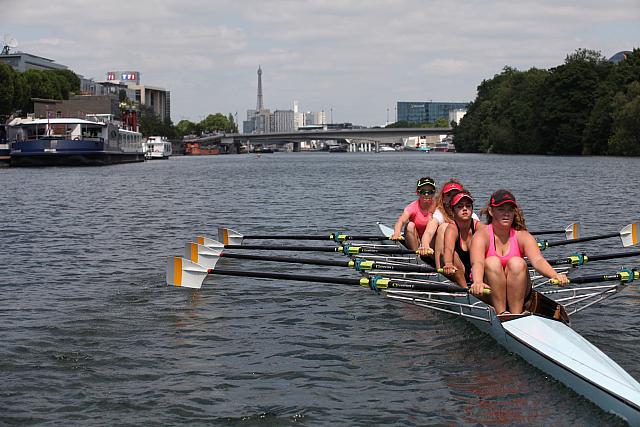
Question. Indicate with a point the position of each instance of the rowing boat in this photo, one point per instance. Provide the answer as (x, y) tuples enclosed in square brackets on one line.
[(543, 337)]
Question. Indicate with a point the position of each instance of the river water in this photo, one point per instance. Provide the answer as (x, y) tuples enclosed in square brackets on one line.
[(91, 335)]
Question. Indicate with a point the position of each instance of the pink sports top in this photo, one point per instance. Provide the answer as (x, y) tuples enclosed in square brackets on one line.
[(417, 216), (514, 248)]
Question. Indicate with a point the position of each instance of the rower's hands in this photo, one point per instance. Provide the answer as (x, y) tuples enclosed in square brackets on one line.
[(477, 288), (396, 237), (560, 279), (449, 269), (424, 251)]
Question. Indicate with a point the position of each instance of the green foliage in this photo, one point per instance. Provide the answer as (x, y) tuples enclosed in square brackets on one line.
[(584, 106), (440, 123), (17, 89), (625, 137), (152, 125)]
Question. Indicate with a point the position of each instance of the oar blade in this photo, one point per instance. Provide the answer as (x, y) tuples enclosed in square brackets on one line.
[(183, 273), (200, 254), (629, 234), (385, 230), (572, 231), (229, 237), (210, 243)]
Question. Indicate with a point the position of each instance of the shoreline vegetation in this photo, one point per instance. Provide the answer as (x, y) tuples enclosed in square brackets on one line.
[(586, 106)]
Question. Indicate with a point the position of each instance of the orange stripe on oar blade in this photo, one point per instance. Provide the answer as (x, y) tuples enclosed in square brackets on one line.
[(575, 230), (634, 233), (193, 252), (225, 236), (177, 271), (200, 240)]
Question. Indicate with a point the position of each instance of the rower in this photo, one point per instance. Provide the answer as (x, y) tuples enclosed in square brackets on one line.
[(417, 215), (497, 256), (457, 240), (444, 215)]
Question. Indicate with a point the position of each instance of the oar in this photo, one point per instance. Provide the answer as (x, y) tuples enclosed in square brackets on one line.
[(571, 231), (582, 258), (343, 249), (232, 237), (623, 276), (184, 273), (629, 236), (208, 257)]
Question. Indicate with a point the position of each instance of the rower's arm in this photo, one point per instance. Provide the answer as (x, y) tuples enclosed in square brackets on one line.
[(532, 252), (429, 232), (479, 245), (397, 228), (450, 237)]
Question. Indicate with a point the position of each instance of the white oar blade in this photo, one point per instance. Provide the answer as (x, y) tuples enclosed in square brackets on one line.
[(200, 254), (184, 273), (572, 231), (629, 234), (385, 230), (210, 243), (229, 237)]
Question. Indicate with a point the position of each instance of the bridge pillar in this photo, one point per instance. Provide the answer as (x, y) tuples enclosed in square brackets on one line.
[(296, 146)]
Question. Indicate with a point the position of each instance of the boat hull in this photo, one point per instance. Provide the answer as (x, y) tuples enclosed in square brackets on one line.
[(99, 158), (554, 348)]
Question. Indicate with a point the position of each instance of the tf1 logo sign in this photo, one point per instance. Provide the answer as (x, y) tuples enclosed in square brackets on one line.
[(123, 75)]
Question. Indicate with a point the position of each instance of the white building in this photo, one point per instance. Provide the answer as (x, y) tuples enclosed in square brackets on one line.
[(283, 121), (456, 115)]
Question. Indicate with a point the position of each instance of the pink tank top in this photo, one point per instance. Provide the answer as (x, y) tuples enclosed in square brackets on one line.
[(514, 248), (417, 216)]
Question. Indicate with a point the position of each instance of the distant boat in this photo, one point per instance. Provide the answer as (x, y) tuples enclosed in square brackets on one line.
[(157, 147), (72, 142), (386, 149)]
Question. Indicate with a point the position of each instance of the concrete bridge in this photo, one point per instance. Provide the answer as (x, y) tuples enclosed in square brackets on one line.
[(358, 139)]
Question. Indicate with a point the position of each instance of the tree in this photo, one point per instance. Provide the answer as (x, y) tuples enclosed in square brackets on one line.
[(625, 137)]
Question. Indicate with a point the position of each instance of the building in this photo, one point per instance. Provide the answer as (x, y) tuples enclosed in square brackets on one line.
[(315, 118), (456, 115), (77, 106), (426, 112), (156, 98), (283, 121), (22, 62), (620, 56)]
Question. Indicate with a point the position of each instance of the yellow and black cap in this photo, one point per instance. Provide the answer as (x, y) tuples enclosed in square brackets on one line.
[(425, 181)]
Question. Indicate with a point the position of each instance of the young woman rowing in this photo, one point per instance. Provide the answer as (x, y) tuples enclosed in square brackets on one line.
[(497, 256), (417, 215), (457, 240), (444, 215)]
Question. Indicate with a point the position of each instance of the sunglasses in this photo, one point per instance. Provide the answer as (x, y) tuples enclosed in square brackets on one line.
[(427, 192)]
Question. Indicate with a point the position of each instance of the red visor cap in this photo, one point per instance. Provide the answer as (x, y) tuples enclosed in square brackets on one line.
[(451, 186), (456, 199)]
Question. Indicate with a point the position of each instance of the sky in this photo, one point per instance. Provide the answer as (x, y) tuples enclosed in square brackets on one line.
[(352, 59)]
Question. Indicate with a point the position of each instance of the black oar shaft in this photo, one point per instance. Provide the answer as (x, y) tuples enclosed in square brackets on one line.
[(347, 249), (285, 248), (614, 256), (286, 276), (536, 233), (383, 283), (582, 239), (311, 237), (287, 259)]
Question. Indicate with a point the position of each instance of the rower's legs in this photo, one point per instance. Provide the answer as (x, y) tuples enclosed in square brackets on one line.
[(458, 276), (494, 276), (411, 238), (517, 273)]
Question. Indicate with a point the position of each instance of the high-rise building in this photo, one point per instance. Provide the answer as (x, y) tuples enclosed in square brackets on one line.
[(283, 121), (427, 112)]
